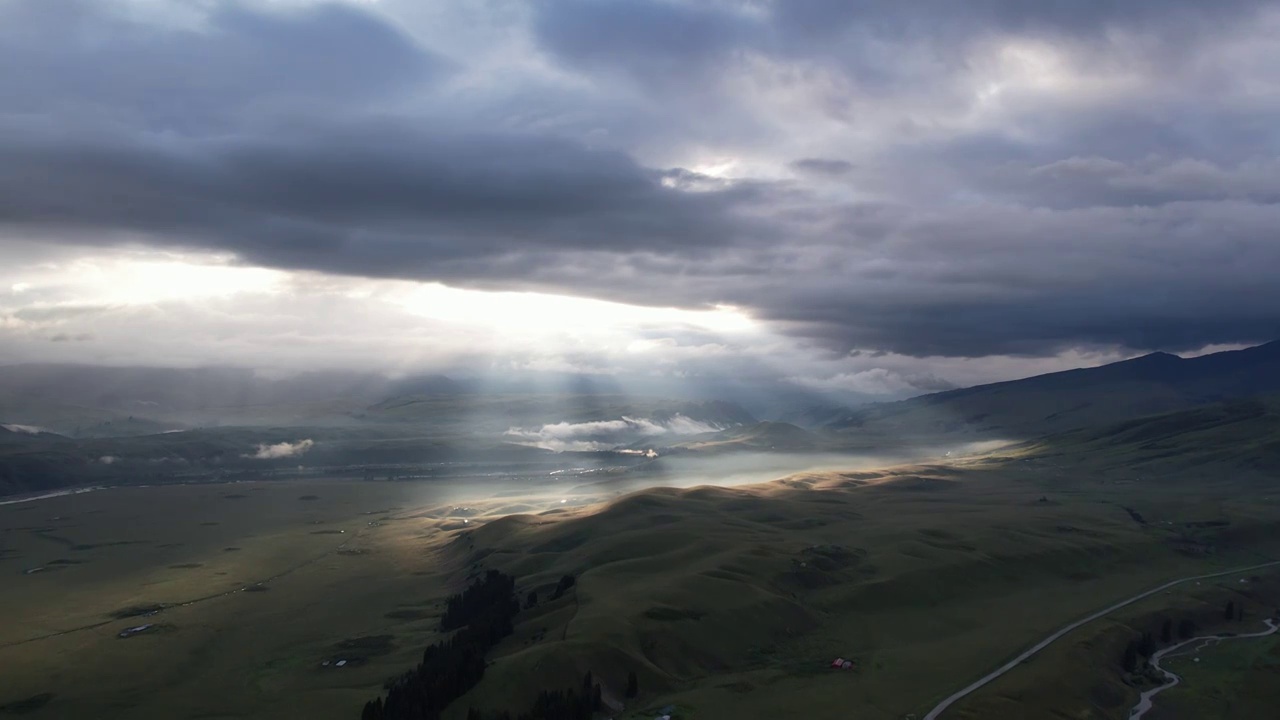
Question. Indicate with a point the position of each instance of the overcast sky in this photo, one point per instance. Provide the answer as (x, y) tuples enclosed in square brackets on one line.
[(876, 197)]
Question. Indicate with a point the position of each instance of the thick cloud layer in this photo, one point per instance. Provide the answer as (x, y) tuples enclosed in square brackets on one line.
[(959, 179)]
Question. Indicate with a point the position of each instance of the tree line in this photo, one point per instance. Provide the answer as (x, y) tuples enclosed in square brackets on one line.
[(1145, 645), (571, 704), (486, 613), (494, 590)]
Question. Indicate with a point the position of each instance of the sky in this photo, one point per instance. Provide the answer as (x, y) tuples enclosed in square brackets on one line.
[(869, 200)]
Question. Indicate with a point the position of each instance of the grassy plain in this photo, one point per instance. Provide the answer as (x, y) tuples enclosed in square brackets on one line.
[(728, 603), (324, 563)]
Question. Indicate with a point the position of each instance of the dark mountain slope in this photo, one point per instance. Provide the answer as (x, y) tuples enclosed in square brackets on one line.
[(1057, 402), (1234, 436)]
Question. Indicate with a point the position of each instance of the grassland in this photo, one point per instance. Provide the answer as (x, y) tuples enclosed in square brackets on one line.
[(334, 570), (731, 602), (727, 602)]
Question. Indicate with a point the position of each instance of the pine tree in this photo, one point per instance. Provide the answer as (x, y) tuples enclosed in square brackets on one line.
[(563, 586), (1166, 632), (1230, 612), (633, 684), (1147, 645), (1130, 661)]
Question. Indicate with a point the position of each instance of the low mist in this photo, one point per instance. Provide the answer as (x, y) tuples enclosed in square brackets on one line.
[(606, 434), (574, 486), (685, 471), (282, 450)]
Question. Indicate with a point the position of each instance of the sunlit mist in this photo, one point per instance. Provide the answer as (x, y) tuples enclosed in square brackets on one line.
[(537, 313)]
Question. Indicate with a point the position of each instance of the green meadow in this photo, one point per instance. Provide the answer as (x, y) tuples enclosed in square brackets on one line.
[(726, 602)]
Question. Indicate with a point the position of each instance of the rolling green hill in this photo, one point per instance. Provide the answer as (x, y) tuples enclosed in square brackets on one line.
[(1239, 436), (731, 602)]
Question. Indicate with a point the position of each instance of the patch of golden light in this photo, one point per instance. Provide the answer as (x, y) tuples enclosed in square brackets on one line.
[(530, 313), (129, 279)]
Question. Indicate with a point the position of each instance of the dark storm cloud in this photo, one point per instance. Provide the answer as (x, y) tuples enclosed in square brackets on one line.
[(323, 138), (69, 59), (942, 18), (1034, 281), (666, 37), (341, 190), (879, 42), (1093, 181), (378, 199)]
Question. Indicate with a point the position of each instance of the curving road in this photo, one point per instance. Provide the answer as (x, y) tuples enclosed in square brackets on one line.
[(1144, 703), (941, 707)]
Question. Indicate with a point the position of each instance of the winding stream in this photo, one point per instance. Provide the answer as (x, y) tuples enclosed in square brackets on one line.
[(1145, 702), (941, 707)]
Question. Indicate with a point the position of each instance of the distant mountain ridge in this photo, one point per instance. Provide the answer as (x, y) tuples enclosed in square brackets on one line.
[(1216, 376), (100, 402), (146, 390), (1056, 402), (90, 401)]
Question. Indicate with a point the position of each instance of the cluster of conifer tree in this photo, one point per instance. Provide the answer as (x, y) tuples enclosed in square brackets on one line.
[(495, 591), (563, 586), (1146, 646), (485, 611), (572, 704)]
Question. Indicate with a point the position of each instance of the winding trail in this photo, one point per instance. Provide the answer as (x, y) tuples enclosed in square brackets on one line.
[(1145, 702), (941, 707)]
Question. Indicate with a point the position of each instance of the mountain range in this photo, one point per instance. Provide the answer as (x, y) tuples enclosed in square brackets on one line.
[(59, 422), (1056, 402)]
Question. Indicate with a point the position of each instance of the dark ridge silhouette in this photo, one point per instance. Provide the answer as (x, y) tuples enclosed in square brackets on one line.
[(1057, 402)]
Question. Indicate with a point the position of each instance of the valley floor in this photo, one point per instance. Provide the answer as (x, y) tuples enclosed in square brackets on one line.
[(726, 603)]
